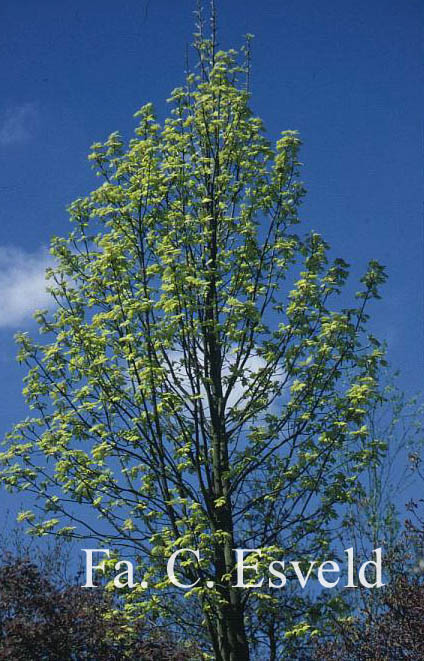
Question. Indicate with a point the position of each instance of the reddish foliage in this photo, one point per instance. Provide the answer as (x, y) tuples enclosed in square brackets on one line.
[(396, 635), (40, 622)]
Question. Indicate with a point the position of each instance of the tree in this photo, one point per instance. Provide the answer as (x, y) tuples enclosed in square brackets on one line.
[(384, 625), (201, 384), (376, 516), (380, 624), (39, 621), (396, 635), (387, 628), (373, 519)]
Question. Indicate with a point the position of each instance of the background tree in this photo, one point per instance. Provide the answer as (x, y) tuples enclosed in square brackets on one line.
[(396, 635), (40, 621), (388, 628), (201, 384), (384, 625), (374, 518)]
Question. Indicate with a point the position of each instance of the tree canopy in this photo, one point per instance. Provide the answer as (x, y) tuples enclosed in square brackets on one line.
[(202, 382)]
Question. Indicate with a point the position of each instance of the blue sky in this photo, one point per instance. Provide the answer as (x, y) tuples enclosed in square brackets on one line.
[(347, 75)]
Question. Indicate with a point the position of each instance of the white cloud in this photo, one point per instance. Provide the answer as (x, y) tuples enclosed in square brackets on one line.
[(22, 284), (18, 124), (242, 389)]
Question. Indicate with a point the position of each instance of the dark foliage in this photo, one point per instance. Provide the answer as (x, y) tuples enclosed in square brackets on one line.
[(395, 635), (41, 622)]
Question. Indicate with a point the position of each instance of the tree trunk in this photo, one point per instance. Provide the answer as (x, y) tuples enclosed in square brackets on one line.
[(235, 646), (231, 632)]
